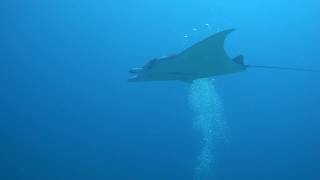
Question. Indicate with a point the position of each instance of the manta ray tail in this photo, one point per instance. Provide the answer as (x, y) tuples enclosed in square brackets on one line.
[(239, 60), (283, 68)]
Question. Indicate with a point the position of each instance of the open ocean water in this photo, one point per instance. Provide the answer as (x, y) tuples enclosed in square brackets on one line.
[(67, 111)]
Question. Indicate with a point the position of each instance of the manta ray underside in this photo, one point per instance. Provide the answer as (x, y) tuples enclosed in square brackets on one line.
[(206, 58)]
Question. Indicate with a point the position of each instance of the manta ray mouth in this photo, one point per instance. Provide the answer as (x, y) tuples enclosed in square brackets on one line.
[(135, 74)]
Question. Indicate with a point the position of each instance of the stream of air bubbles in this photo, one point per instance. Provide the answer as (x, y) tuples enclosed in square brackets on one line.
[(208, 120)]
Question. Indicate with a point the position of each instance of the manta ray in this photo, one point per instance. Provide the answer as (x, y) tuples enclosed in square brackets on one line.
[(204, 59)]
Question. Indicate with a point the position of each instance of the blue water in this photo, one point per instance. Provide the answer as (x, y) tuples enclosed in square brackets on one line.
[(68, 112)]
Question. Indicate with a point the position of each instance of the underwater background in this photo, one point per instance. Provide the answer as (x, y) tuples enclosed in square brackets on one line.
[(68, 112)]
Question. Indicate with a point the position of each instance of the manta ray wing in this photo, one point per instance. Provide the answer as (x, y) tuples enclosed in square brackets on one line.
[(208, 57)]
